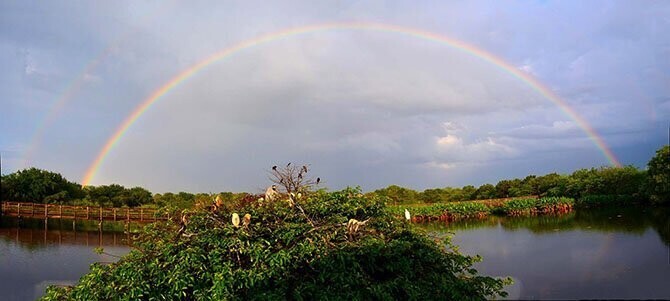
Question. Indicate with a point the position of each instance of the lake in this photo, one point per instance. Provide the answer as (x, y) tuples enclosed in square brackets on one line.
[(604, 253), (597, 253), (33, 256)]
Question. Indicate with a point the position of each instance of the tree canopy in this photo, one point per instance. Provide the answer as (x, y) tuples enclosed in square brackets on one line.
[(659, 176), (36, 185)]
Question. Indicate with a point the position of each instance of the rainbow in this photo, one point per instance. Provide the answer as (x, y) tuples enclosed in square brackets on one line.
[(73, 88), (57, 106), (429, 36)]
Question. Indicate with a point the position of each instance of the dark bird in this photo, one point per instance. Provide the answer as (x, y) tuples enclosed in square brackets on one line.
[(304, 168), (274, 168), (318, 180), (289, 164), (300, 176)]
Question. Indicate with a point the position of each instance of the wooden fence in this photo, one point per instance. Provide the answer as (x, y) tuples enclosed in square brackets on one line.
[(35, 210)]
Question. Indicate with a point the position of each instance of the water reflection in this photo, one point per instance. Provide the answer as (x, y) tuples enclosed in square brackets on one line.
[(612, 253), (35, 253)]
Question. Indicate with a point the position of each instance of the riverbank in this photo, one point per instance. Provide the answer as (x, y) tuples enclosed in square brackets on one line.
[(523, 206)]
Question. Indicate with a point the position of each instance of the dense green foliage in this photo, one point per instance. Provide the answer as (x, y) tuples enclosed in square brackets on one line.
[(40, 186), (281, 255), (30, 185), (598, 200), (659, 176), (455, 210), (626, 180), (530, 206), (116, 195), (479, 209)]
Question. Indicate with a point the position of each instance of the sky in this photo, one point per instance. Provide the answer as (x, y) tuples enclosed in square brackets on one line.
[(363, 107)]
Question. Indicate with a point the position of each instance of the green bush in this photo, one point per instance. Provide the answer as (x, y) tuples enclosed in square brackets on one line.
[(285, 254), (518, 206), (528, 206), (605, 200)]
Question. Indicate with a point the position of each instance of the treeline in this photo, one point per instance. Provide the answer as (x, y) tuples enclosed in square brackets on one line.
[(595, 181), (41, 186), (651, 184)]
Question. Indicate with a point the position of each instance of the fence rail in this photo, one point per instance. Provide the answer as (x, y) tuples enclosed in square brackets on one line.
[(35, 210)]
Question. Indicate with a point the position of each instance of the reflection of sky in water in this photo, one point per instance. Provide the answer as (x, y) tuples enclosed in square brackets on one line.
[(571, 263), (28, 267)]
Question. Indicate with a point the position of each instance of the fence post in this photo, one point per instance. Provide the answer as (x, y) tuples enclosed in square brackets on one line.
[(114, 214), (46, 210), (87, 210), (18, 211), (60, 211), (141, 214)]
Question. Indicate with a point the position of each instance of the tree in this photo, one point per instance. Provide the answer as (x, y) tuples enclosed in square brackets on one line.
[(399, 195), (658, 174), (486, 191), (39, 186), (435, 195), (468, 192), (115, 195)]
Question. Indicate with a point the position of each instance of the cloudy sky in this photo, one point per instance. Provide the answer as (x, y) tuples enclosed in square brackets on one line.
[(363, 107)]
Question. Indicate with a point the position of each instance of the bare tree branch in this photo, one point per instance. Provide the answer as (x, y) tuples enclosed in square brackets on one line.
[(293, 180)]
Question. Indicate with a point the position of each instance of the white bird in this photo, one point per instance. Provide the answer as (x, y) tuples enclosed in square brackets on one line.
[(236, 220), (407, 216), (271, 193)]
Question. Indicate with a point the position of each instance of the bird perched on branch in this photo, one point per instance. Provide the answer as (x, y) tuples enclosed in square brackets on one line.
[(271, 193), (218, 203), (236, 220), (318, 180), (182, 224), (274, 168), (353, 225), (246, 220)]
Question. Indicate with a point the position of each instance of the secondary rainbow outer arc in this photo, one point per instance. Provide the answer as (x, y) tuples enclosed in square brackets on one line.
[(453, 43), (61, 101), (78, 82)]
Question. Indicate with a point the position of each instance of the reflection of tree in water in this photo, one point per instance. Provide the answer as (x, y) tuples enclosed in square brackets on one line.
[(35, 234), (660, 220), (631, 220)]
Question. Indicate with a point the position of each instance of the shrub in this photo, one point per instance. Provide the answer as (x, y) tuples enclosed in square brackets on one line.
[(279, 255), (529, 206)]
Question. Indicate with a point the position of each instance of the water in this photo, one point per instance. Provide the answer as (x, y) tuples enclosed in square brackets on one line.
[(612, 253), (33, 256)]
